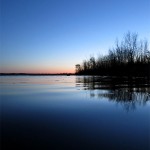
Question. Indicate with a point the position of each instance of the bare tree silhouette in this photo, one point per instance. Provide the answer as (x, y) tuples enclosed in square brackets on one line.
[(130, 57)]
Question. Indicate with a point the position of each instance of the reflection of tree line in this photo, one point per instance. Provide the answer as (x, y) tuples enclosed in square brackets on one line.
[(100, 82), (127, 97), (123, 92), (130, 57)]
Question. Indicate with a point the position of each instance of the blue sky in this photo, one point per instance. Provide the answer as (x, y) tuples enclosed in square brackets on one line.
[(51, 36)]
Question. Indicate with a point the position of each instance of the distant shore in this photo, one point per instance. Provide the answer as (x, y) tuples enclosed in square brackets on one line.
[(35, 74)]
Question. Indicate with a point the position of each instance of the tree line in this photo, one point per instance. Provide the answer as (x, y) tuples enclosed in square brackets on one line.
[(130, 57)]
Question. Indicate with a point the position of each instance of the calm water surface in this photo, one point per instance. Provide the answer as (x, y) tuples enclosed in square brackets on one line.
[(72, 113)]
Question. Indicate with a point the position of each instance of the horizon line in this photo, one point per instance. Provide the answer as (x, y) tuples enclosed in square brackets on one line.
[(37, 73)]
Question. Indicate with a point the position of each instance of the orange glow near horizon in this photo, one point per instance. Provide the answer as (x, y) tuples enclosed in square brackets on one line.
[(37, 70)]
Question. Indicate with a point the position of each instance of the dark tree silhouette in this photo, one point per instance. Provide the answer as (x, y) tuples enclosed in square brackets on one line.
[(130, 57)]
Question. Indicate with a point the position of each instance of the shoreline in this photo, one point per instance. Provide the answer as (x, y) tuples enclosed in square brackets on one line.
[(34, 74)]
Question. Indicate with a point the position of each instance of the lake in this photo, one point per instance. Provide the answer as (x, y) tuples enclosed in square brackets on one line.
[(72, 113)]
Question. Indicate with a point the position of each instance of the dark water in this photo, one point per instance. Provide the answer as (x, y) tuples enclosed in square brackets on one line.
[(72, 113)]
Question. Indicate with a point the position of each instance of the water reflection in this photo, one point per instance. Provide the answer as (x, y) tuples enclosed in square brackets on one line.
[(50, 113), (129, 94)]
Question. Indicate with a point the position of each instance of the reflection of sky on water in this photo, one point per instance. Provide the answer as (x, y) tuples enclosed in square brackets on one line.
[(50, 80), (56, 116)]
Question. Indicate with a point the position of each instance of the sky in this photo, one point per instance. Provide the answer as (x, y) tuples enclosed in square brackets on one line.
[(52, 36)]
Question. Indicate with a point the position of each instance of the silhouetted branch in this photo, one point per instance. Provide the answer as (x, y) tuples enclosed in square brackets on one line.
[(130, 57)]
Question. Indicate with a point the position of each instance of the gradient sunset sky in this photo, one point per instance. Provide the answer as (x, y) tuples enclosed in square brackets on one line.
[(52, 36)]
